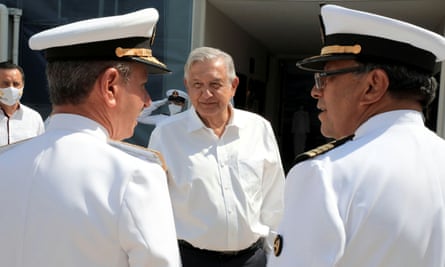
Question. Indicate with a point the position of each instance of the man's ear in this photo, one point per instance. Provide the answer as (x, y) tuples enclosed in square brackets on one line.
[(108, 86), (186, 86), (235, 84), (378, 83)]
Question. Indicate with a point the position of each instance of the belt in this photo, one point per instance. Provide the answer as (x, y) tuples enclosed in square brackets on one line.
[(252, 248)]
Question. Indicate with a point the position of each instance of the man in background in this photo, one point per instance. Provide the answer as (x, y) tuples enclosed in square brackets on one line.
[(226, 178), (176, 100), (17, 121)]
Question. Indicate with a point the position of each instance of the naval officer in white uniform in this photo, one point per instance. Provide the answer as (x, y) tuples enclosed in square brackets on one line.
[(176, 100), (378, 199), (69, 198)]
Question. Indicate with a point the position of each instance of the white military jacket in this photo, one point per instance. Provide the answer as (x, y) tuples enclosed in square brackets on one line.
[(70, 199), (375, 201)]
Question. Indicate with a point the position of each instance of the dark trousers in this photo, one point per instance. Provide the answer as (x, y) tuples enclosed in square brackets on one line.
[(195, 257)]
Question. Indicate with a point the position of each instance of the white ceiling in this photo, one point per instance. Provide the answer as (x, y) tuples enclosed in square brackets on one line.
[(290, 28)]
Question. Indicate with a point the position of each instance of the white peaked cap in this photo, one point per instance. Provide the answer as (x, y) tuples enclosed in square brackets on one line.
[(174, 93), (122, 37), (349, 33)]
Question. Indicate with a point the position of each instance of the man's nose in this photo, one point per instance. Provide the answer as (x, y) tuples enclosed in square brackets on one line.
[(315, 92), (147, 100)]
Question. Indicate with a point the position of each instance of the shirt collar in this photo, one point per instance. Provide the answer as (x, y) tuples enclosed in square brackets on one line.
[(385, 120), (18, 110), (77, 123), (195, 122)]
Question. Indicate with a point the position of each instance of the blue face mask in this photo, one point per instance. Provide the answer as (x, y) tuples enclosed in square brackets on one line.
[(9, 96)]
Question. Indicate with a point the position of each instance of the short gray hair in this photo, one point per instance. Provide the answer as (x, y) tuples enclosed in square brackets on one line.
[(70, 82), (208, 53)]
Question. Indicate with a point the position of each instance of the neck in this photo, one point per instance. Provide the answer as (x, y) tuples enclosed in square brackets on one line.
[(390, 104), (9, 110), (97, 112), (218, 124)]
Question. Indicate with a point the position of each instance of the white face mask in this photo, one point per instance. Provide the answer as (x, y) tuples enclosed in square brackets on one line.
[(174, 108), (9, 96)]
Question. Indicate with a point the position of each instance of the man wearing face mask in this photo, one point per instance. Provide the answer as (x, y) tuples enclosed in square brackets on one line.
[(17, 121), (176, 100)]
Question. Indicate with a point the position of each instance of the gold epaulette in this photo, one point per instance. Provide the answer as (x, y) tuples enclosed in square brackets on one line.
[(321, 149), (141, 152)]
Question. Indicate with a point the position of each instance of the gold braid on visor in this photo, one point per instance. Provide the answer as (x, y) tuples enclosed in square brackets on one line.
[(144, 53), (341, 49)]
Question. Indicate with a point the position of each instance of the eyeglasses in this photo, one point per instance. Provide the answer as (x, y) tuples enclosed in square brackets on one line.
[(320, 77)]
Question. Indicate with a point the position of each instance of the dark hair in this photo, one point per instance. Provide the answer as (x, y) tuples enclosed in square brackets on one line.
[(70, 82), (6, 65), (407, 83)]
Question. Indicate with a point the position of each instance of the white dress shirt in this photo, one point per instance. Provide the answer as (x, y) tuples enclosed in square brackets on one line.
[(375, 201), (23, 124), (69, 199), (226, 192)]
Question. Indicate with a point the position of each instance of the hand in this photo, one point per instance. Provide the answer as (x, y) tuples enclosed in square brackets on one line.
[(154, 106)]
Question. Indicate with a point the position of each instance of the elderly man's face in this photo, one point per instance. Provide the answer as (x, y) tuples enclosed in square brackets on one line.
[(209, 88), (338, 101)]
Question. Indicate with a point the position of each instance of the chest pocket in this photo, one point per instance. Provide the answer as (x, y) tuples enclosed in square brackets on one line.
[(250, 174)]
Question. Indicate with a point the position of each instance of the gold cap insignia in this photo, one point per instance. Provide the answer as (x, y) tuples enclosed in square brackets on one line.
[(341, 49)]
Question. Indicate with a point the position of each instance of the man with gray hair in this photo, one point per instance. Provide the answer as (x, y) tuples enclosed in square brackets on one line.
[(226, 177)]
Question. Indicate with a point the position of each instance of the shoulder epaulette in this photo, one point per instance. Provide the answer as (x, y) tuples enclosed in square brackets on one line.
[(321, 149), (141, 152)]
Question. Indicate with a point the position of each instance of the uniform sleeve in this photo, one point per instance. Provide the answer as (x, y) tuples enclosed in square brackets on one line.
[(273, 189), (146, 227), (312, 230), (154, 141)]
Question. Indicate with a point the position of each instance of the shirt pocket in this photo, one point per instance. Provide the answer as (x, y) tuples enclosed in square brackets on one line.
[(250, 175)]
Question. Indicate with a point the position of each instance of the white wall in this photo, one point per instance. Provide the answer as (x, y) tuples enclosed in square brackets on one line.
[(222, 33)]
